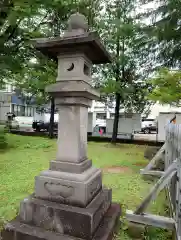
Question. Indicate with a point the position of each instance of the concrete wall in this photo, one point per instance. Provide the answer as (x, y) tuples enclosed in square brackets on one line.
[(136, 119), (91, 121), (4, 108), (126, 124)]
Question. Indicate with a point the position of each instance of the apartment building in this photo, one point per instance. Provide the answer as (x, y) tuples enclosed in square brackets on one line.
[(10, 102)]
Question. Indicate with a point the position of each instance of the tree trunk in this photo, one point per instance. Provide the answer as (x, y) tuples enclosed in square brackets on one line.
[(117, 73), (116, 118), (52, 112)]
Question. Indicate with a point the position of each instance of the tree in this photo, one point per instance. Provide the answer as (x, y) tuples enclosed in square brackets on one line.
[(34, 71), (138, 100), (125, 40), (165, 29), (21, 21), (167, 87), (17, 26)]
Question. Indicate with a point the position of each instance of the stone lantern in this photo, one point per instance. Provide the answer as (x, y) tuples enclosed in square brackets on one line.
[(69, 201)]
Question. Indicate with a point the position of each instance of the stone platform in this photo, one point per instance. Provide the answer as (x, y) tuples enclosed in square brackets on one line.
[(15, 230), (73, 222)]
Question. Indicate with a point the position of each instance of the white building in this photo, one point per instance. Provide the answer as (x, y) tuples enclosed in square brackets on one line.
[(102, 110), (157, 108)]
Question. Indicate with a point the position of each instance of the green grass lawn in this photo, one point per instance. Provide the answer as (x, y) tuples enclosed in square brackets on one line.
[(27, 156)]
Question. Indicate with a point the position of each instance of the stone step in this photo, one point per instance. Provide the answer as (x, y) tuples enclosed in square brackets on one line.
[(15, 230), (62, 218)]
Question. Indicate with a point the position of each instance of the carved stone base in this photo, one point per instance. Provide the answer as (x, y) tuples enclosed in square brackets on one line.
[(60, 218), (15, 230), (69, 188)]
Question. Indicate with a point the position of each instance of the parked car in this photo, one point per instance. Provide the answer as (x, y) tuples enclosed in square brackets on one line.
[(148, 126), (43, 126), (24, 121)]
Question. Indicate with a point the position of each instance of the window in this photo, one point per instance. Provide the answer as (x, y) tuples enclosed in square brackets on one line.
[(101, 115), (26, 111), (21, 110), (12, 108), (16, 109), (147, 120), (29, 111)]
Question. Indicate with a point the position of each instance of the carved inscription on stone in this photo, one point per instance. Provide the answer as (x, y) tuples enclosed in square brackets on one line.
[(95, 186), (57, 189)]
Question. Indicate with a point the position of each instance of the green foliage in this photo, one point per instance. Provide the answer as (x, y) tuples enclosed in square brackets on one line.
[(138, 98), (20, 63), (167, 87), (126, 41), (32, 80), (168, 29), (20, 22), (17, 22), (165, 30), (3, 139)]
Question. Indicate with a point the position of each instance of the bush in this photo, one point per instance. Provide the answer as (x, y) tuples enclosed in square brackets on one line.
[(3, 139)]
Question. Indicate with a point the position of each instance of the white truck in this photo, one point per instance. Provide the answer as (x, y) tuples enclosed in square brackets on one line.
[(42, 122), (128, 124)]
